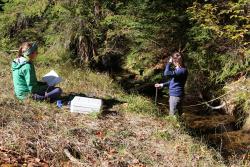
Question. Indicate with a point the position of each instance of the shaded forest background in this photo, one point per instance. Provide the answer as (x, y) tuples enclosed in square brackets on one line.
[(134, 35)]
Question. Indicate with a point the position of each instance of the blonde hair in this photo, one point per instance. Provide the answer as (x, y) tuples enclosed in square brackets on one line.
[(23, 47)]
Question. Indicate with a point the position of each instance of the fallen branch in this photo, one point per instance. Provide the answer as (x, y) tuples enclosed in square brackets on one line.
[(73, 159)]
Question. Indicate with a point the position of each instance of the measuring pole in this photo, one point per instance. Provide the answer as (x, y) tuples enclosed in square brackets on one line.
[(156, 94)]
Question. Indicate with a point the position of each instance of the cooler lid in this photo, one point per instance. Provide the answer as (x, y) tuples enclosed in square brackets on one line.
[(86, 102)]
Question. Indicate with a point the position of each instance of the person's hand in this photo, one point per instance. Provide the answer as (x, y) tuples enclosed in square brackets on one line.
[(170, 60), (157, 85)]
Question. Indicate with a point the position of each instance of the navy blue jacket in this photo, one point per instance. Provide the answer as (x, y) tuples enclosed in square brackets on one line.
[(178, 78)]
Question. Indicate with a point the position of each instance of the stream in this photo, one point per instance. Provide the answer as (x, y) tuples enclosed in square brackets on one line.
[(220, 130)]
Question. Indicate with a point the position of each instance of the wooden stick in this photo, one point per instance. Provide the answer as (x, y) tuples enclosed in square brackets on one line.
[(14, 50), (73, 159), (156, 94)]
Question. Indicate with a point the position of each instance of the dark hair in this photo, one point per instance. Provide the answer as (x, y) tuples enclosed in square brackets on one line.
[(23, 47), (177, 58)]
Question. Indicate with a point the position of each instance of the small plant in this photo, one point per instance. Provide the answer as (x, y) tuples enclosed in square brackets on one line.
[(164, 135)]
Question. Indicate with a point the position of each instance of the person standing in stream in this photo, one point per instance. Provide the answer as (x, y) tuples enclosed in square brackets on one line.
[(178, 77), (24, 76)]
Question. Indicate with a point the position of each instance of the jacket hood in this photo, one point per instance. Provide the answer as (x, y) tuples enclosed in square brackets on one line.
[(18, 63)]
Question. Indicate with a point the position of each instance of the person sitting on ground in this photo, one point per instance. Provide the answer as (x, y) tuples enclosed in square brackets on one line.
[(178, 76), (24, 76)]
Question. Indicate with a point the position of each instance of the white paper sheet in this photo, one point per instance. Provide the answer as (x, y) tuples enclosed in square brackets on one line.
[(51, 78)]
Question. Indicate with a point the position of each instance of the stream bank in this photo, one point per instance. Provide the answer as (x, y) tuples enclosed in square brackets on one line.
[(219, 129), (227, 130)]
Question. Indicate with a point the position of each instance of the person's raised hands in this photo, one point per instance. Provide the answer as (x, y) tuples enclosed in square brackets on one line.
[(170, 60)]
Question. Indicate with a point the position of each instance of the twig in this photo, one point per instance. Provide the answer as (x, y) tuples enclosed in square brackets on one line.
[(73, 159), (227, 133), (155, 42), (14, 50)]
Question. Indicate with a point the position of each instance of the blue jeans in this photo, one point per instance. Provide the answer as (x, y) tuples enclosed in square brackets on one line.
[(175, 105), (52, 94)]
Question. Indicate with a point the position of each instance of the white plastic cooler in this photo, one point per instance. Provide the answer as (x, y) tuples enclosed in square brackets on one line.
[(85, 105)]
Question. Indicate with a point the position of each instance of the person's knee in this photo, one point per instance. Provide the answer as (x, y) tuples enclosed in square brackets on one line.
[(175, 106), (59, 91)]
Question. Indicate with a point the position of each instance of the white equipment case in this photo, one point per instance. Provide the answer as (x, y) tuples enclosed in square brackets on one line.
[(85, 105)]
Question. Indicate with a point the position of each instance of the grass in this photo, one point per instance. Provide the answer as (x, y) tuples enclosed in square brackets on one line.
[(238, 101), (131, 136), (164, 135)]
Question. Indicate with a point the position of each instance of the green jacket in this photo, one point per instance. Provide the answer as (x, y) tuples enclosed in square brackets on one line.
[(24, 78)]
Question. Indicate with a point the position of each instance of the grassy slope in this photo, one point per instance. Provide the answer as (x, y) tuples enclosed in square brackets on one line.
[(121, 138), (238, 100)]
